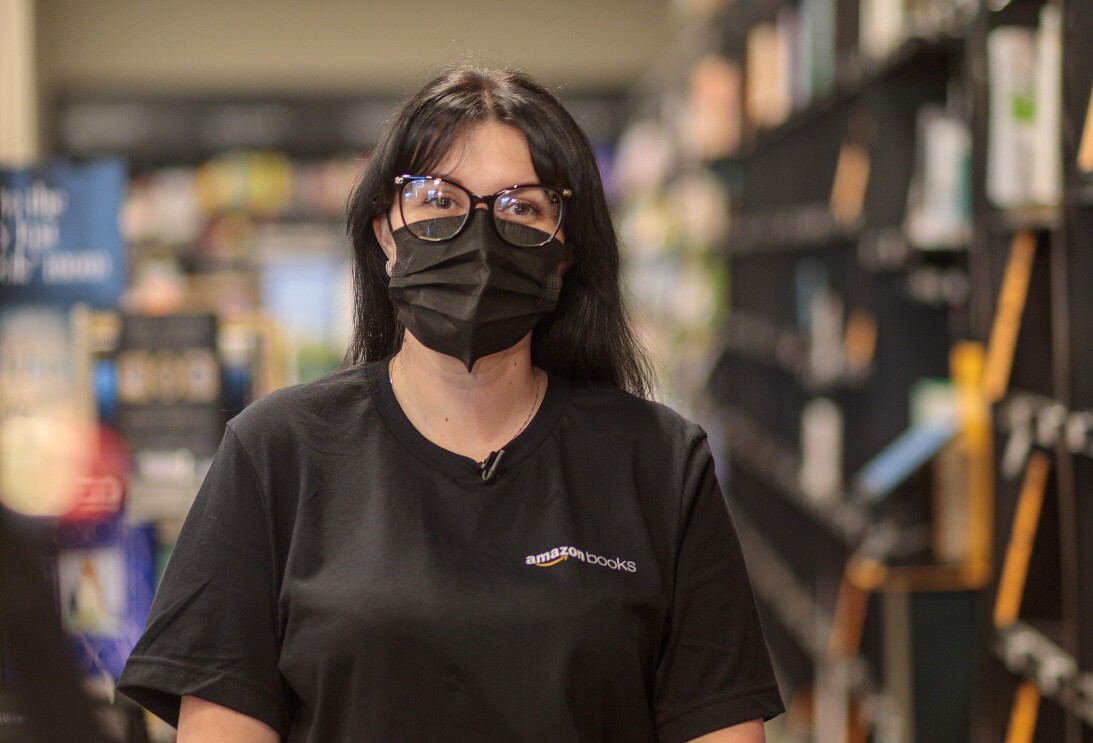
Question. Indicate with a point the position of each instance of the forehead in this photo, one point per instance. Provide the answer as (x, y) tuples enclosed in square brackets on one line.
[(488, 157)]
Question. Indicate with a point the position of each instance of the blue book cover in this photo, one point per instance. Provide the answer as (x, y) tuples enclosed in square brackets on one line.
[(105, 583), (60, 239), (903, 457)]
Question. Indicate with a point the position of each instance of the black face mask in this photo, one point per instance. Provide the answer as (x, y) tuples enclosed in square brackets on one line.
[(475, 294)]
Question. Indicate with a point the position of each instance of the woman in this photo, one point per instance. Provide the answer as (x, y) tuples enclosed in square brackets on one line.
[(477, 530)]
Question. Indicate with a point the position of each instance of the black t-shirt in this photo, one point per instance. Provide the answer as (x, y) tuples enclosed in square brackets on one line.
[(342, 578)]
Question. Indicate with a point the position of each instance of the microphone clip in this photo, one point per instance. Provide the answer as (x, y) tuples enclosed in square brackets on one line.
[(489, 465)]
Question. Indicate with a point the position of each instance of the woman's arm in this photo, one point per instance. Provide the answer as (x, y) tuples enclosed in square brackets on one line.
[(746, 732), (200, 721)]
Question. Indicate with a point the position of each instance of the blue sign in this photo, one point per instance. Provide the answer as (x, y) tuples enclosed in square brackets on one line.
[(60, 241)]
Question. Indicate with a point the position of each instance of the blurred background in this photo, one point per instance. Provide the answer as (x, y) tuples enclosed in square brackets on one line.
[(858, 240)]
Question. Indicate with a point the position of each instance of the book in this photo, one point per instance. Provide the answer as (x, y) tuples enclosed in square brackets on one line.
[(881, 27), (1023, 713), (817, 57), (851, 181), (169, 384), (46, 419), (1085, 149), (821, 478), (939, 213), (1011, 65), (105, 584), (789, 34), (714, 115), (849, 620), (825, 338), (1045, 186), (766, 104), (903, 457), (1026, 520), (859, 343), (1007, 317)]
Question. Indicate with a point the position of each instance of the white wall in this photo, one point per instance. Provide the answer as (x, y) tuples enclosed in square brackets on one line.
[(282, 46), (18, 100)]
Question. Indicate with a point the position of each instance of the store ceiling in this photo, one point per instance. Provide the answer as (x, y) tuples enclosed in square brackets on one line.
[(340, 46)]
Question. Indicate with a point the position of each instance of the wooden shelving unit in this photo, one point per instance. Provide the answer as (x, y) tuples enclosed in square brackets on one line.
[(972, 676)]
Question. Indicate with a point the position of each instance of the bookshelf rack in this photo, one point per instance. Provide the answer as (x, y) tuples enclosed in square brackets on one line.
[(1034, 219), (797, 228), (776, 464), (1031, 654), (778, 586), (755, 339), (858, 74), (1015, 283)]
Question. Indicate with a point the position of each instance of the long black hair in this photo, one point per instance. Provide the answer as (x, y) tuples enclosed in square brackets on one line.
[(587, 337)]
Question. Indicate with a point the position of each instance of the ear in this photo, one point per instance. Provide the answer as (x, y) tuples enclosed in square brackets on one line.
[(382, 229)]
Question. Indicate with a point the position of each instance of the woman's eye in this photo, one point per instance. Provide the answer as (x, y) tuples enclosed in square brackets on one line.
[(521, 209), (439, 200)]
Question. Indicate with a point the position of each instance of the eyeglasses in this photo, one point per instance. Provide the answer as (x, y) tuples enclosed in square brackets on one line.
[(435, 209)]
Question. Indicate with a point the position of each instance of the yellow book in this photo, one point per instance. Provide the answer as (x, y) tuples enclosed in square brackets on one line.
[(1011, 584), (1085, 150), (849, 621), (1026, 706), (851, 180), (1007, 318)]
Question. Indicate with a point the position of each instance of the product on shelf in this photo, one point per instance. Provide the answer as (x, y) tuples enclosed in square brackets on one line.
[(1024, 74), (939, 208), (821, 451), (768, 90), (1045, 186), (105, 582), (1011, 64), (848, 189), (713, 124), (881, 27)]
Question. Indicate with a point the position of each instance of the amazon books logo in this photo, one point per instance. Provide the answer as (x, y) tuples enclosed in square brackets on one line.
[(561, 554)]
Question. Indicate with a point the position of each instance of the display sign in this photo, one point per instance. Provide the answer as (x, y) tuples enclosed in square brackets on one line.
[(60, 242), (168, 384)]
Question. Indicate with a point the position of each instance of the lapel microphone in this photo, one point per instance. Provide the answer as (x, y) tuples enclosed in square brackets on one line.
[(489, 465)]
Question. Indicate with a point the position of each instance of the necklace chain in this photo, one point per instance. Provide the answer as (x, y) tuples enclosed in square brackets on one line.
[(534, 404), (531, 410)]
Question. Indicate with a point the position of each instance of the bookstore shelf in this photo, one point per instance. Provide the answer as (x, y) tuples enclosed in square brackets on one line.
[(755, 339), (779, 466), (1081, 195), (1032, 218), (1030, 652), (859, 73), (777, 586), (903, 375), (1033, 419), (797, 228), (911, 181)]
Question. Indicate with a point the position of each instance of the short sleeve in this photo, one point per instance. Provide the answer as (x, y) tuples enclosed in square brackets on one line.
[(212, 631), (715, 669)]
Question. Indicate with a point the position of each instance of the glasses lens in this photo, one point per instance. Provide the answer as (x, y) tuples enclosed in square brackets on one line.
[(433, 209), (528, 216)]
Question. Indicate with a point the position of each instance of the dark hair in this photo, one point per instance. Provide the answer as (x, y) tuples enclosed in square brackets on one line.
[(587, 337)]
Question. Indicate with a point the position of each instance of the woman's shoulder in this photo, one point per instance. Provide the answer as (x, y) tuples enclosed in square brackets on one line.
[(321, 403), (609, 408)]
